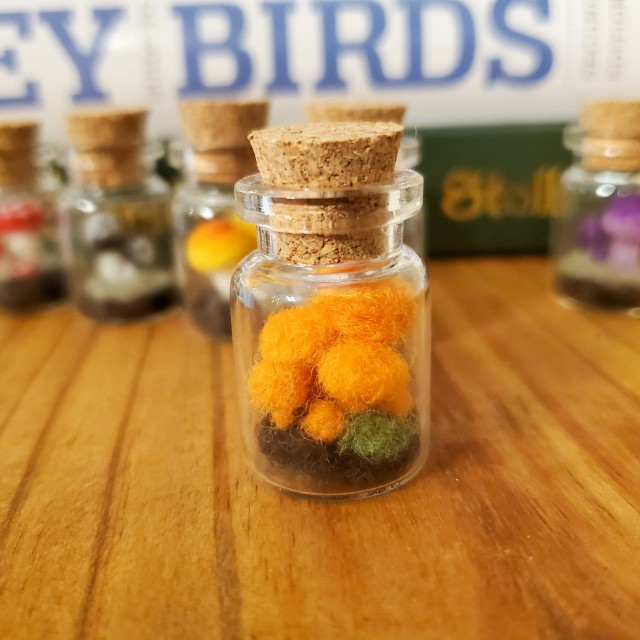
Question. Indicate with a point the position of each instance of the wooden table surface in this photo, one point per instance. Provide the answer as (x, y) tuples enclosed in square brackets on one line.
[(126, 510)]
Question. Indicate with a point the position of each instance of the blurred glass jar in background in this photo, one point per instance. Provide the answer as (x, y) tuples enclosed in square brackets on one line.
[(331, 314), (210, 239), (409, 154), (116, 219), (31, 271), (596, 236)]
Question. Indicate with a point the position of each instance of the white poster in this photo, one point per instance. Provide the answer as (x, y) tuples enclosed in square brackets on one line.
[(452, 61)]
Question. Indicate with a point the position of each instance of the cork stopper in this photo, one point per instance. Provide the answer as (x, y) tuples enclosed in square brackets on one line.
[(352, 111), (612, 135), (18, 140), (108, 145), (328, 155), (216, 131), (221, 124), (333, 157)]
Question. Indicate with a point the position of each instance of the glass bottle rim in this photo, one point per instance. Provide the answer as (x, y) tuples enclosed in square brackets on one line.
[(573, 137), (265, 206), (410, 154)]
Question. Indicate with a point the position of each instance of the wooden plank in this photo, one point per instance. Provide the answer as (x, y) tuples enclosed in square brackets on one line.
[(8, 326), (593, 344), (620, 327), (584, 398), (31, 404), (158, 548), (566, 532), (126, 509), (50, 542), (23, 353)]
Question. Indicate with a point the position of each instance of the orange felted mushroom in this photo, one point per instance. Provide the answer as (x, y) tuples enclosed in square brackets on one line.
[(359, 374), (325, 421), (300, 334), (280, 390), (378, 311)]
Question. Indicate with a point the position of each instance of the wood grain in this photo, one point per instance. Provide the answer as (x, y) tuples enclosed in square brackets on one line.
[(126, 510)]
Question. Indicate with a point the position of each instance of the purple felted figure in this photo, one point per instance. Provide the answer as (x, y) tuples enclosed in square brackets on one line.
[(593, 238), (621, 221)]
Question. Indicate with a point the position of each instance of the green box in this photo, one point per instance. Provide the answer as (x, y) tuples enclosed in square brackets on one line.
[(491, 189)]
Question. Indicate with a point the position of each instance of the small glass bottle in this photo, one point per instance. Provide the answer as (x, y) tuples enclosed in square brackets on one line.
[(116, 219), (596, 237), (409, 155), (210, 239), (31, 271), (330, 315)]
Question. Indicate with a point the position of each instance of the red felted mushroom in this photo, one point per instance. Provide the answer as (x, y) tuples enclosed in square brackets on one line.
[(20, 216)]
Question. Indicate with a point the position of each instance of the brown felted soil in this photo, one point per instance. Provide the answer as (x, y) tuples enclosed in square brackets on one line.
[(209, 312), (593, 294), (291, 448), (21, 295), (135, 309)]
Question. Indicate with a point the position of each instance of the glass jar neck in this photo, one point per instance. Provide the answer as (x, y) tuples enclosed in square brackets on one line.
[(113, 168), (18, 171), (329, 226), (209, 168), (352, 251), (602, 154)]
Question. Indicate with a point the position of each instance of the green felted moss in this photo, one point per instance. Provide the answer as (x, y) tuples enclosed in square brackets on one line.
[(376, 437)]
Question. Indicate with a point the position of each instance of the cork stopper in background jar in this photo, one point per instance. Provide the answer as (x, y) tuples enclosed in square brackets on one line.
[(352, 111), (216, 132), (359, 111), (330, 157), (108, 146), (611, 135), (18, 141)]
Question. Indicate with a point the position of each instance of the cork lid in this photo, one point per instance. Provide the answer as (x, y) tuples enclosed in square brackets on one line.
[(108, 145), (18, 140), (103, 128), (340, 215), (618, 119), (327, 155), (220, 124), (18, 135), (611, 135), (354, 111)]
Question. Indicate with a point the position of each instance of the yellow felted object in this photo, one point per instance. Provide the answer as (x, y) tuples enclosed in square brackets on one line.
[(379, 311), (218, 244), (300, 334), (280, 390), (359, 374), (324, 421), (248, 228), (398, 403)]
